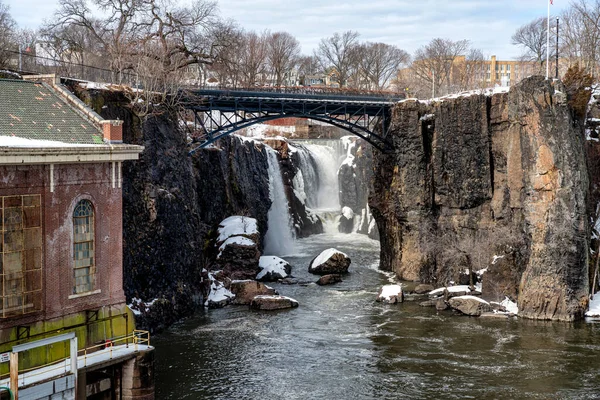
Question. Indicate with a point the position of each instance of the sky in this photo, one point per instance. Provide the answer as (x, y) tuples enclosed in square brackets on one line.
[(408, 24)]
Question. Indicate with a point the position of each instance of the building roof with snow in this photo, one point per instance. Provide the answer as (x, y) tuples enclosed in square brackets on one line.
[(34, 110)]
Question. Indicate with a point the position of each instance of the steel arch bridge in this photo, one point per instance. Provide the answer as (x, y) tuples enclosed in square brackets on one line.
[(218, 113)]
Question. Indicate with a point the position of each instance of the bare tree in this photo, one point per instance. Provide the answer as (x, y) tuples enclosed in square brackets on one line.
[(167, 37), (380, 62), (8, 29), (433, 63), (227, 49), (253, 58), (533, 37), (580, 35), (283, 51), (339, 52)]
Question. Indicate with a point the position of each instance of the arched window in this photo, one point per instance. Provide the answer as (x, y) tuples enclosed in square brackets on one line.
[(84, 267)]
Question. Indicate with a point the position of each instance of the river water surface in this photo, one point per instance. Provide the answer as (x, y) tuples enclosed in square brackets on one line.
[(340, 344)]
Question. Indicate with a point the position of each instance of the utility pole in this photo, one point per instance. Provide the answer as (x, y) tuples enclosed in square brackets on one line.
[(556, 47)]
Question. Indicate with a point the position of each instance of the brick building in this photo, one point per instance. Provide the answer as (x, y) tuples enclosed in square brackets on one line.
[(60, 219)]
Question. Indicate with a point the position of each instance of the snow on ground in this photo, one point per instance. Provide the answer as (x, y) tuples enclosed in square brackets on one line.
[(510, 306), (326, 255), (487, 92), (594, 307), (237, 225), (13, 141), (218, 292), (389, 291), (239, 240), (274, 297), (469, 297), (137, 305), (496, 258), (454, 289), (349, 161), (271, 264), (262, 130)]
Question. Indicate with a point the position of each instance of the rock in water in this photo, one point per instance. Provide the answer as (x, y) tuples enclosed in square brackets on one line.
[(246, 290), (470, 305), (273, 269), (390, 294), (330, 261), (329, 279), (423, 288), (346, 224), (272, 303)]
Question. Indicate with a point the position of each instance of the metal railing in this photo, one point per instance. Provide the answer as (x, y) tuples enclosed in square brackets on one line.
[(61, 367)]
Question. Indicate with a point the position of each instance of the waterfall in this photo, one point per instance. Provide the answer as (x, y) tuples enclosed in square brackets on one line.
[(319, 162), (317, 184), (279, 239)]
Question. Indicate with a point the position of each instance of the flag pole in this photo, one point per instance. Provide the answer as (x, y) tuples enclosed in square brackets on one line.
[(548, 43)]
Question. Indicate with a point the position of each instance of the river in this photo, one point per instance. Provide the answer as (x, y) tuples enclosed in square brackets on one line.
[(340, 344)]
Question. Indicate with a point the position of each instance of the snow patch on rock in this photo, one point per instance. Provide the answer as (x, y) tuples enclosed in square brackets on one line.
[(272, 265), (237, 225), (326, 255)]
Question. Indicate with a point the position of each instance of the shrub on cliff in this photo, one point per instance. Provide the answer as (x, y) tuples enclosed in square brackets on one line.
[(578, 84)]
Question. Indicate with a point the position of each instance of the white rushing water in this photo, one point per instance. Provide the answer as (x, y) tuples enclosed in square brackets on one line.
[(279, 239), (327, 164)]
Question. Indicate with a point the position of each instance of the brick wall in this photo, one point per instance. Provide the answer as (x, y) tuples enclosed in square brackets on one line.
[(72, 183)]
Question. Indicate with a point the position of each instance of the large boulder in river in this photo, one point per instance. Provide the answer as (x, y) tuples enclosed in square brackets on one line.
[(272, 303), (273, 268), (330, 261), (390, 294), (470, 305), (246, 290)]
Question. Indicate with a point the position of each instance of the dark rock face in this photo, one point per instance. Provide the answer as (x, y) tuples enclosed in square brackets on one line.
[(354, 176), (172, 203), (232, 180), (336, 263), (476, 177), (162, 233)]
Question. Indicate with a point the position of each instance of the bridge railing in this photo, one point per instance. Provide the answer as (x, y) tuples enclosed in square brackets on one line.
[(301, 90)]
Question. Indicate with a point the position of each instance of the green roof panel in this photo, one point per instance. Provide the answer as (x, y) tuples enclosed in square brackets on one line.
[(32, 110)]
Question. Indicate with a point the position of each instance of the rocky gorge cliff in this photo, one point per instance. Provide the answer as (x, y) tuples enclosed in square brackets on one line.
[(497, 182)]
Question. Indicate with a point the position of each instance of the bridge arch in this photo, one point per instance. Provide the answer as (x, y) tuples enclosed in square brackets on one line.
[(220, 113), (352, 128)]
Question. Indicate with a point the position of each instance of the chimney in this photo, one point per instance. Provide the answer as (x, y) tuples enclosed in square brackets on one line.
[(112, 130)]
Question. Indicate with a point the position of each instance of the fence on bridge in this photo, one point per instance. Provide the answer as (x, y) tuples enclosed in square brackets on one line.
[(31, 64)]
